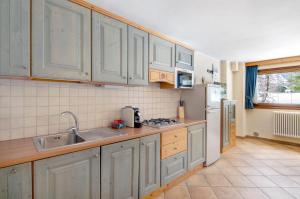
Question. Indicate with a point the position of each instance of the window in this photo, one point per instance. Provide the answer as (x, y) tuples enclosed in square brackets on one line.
[(278, 88)]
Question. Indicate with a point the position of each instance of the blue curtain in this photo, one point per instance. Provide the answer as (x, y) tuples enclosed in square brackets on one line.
[(251, 76)]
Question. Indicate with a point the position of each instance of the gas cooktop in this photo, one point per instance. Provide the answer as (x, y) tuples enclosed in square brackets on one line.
[(161, 122)]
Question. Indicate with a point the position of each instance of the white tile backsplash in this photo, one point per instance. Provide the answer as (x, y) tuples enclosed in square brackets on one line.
[(31, 108)]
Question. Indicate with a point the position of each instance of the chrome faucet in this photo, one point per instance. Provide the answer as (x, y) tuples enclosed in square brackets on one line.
[(76, 128)]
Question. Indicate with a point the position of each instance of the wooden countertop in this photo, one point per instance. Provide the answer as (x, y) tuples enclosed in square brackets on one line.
[(19, 151)]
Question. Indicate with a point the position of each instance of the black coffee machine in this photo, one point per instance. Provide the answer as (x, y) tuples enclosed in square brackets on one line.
[(132, 117)]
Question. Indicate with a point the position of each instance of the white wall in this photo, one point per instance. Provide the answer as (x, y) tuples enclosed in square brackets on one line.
[(203, 62)]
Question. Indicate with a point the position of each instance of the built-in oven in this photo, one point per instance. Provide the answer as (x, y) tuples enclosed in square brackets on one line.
[(184, 78)]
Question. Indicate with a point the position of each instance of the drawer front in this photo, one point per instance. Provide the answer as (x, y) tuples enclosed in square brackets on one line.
[(173, 148), (173, 167), (173, 136)]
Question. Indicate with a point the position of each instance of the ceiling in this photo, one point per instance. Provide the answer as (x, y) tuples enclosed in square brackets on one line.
[(243, 30)]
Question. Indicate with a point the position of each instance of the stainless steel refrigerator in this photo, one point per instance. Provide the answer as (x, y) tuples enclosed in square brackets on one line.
[(203, 102)]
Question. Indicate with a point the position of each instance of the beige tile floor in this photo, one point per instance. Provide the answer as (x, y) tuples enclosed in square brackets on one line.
[(254, 169)]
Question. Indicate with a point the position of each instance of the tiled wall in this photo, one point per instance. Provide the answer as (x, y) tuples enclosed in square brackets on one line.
[(31, 108)]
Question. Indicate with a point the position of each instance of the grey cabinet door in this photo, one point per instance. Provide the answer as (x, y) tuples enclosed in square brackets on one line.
[(161, 54), (173, 167), (109, 49), (15, 37), (226, 123), (120, 170), (184, 58), (15, 182), (149, 179), (61, 40), (137, 56), (75, 175), (196, 145)]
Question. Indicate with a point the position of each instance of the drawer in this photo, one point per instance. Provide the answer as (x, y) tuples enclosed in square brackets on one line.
[(173, 136), (173, 148), (173, 167)]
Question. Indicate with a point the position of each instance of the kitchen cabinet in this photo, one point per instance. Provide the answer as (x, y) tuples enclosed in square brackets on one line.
[(120, 170), (184, 58), (196, 145), (228, 125), (137, 56), (149, 177), (15, 182), (61, 40), (15, 37), (161, 54), (109, 49), (173, 167), (74, 175)]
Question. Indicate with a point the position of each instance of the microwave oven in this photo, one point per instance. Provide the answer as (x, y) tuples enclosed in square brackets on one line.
[(184, 78)]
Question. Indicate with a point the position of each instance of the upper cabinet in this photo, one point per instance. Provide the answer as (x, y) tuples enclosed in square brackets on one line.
[(184, 58), (137, 56), (61, 40), (15, 37), (109, 49), (161, 54)]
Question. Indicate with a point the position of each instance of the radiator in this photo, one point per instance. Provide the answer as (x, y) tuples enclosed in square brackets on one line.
[(287, 124)]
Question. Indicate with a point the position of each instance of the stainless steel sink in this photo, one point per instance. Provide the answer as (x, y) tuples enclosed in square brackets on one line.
[(100, 133), (44, 143)]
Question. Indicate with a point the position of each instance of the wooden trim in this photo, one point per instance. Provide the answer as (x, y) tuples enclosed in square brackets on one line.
[(279, 70), (272, 140), (128, 22), (276, 106), (274, 61), (173, 183)]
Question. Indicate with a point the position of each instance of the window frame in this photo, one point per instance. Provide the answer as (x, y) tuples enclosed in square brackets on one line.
[(287, 69)]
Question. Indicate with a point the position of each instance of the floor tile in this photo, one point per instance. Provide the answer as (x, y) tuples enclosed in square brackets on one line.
[(210, 170), (267, 171), (249, 171), (201, 193), (294, 192), (197, 180), (180, 192), (251, 193), (283, 181), (277, 193), (217, 180), (238, 162), (285, 170), (261, 181), (227, 193), (230, 171), (240, 181), (161, 196), (295, 178)]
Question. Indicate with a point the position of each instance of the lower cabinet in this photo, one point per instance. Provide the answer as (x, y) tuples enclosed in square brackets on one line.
[(149, 177), (120, 170), (173, 167), (15, 182), (196, 145), (74, 175)]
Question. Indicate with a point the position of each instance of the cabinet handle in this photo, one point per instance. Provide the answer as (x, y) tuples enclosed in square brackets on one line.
[(130, 78), (24, 67), (175, 148), (142, 143), (124, 77), (151, 62), (96, 155), (175, 136), (122, 146), (13, 171)]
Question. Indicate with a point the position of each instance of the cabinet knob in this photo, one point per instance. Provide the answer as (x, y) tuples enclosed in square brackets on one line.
[(86, 73), (142, 143), (13, 171), (151, 62), (130, 78), (124, 77), (24, 67), (175, 148), (122, 146), (96, 155), (175, 136)]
